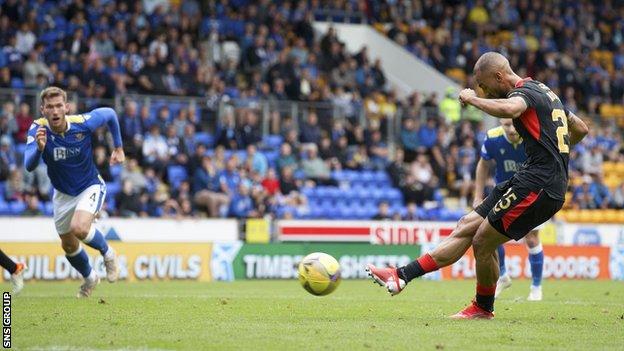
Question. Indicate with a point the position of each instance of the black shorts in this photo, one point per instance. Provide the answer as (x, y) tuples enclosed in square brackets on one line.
[(514, 210)]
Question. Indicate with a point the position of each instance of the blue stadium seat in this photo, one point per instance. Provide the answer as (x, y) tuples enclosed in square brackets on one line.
[(272, 157), (112, 189), (4, 207), (204, 138), (116, 171), (393, 195), (16, 208), (381, 176), (309, 192), (111, 204), (176, 175), (272, 141), (48, 208), (17, 83)]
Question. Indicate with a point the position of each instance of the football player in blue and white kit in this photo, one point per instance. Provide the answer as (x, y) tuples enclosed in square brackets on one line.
[(503, 147), (64, 143)]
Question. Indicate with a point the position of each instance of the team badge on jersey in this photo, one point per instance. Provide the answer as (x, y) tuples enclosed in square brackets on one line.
[(502, 151), (79, 136)]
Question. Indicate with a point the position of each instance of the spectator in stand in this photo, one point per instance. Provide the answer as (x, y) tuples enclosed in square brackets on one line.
[(250, 130), (206, 186), (242, 205), (584, 197), (378, 151), (8, 125), (465, 178), (383, 212), (134, 175), (33, 67), (129, 201), (592, 161), (155, 149), (411, 213), (227, 134), (230, 178), (288, 184), (130, 122), (258, 162), (315, 168), (600, 191), (102, 164), (310, 131), (15, 189), (23, 120), (409, 138), (176, 146), (427, 134), (358, 158), (618, 197), (449, 107), (286, 157), (271, 183), (32, 206)]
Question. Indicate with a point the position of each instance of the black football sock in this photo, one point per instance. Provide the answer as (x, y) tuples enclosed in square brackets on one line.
[(485, 297), (7, 263), (421, 266)]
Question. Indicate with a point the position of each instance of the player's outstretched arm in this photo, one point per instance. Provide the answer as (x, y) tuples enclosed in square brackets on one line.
[(35, 143), (577, 129), (511, 107), (107, 115)]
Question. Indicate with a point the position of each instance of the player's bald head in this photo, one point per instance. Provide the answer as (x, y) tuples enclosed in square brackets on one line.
[(492, 62), (493, 75)]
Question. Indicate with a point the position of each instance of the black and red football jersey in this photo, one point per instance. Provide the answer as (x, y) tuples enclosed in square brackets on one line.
[(544, 129)]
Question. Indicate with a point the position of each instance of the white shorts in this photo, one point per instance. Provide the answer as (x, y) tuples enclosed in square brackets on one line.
[(89, 200)]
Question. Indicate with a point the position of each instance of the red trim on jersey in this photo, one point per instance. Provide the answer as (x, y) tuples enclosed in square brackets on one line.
[(519, 209), (520, 83), (531, 122)]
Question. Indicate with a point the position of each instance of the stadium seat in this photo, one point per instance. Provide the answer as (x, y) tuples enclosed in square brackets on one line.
[(116, 171), (204, 138), (176, 175), (4, 208), (16, 208), (272, 141), (48, 208), (17, 83)]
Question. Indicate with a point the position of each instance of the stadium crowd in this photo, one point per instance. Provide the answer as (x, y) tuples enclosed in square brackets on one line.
[(189, 160)]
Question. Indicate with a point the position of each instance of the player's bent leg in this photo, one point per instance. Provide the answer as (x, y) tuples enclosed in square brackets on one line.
[(83, 228), (536, 260), (484, 244), (448, 252), (78, 258)]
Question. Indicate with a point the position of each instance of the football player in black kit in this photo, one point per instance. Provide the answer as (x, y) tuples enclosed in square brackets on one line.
[(532, 196)]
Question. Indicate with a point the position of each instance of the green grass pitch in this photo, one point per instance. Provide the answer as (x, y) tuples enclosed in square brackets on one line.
[(280, 315)]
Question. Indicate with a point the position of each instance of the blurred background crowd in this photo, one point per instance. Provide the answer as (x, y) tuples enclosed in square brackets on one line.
[(284, 121)]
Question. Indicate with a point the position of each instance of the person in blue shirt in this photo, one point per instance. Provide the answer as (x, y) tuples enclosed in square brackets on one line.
[(64, 143), (503, 149)]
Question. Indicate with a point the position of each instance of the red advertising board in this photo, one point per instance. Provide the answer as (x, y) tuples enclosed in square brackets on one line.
[(375, 232), (560, 262)]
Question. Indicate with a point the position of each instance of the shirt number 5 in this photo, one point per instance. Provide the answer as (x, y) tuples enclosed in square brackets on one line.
[(562, 131)]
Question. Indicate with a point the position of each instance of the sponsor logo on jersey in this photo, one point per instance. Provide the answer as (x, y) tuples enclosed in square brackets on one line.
[(63, 153)]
